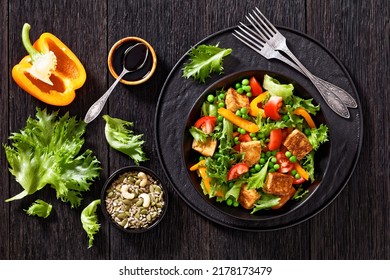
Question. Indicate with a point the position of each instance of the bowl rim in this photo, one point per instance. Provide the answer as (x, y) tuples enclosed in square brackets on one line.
[(110, 180), (111, 54), (212, 87)]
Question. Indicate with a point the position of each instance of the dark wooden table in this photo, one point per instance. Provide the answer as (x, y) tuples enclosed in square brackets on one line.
[(355, 226)]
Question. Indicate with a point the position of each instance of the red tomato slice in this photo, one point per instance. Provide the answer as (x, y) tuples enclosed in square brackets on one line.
[(237, 147), (244, 138), (285, 164), (206, 123), (271, 108), (275, 139), (299, 181), (255, 87), (237, 170)]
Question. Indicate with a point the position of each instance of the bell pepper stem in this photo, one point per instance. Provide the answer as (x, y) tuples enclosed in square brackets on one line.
[(27, 43)]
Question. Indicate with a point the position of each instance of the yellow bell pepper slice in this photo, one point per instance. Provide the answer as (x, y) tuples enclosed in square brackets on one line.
[(254, 110)]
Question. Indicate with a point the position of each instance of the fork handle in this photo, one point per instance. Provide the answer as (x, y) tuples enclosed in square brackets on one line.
[(330, 98), (344, 96)]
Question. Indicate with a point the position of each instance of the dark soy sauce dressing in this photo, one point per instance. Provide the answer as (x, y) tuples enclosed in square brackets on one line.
[(134, 59)]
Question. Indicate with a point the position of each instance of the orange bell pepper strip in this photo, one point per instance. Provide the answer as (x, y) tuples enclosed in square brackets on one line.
[(51, 72), (302, 112), (254, 110), (206, 181), (196, 166), (302, 172), (238, 121)]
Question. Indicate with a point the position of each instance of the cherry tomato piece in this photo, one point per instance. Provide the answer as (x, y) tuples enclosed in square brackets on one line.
[(237, 170), (271, 108), (206, 123)]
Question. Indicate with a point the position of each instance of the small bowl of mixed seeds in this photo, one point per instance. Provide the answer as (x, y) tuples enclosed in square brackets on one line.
[(134, 199)]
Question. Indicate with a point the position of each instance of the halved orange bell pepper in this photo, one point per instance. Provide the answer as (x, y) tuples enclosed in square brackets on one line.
[(305, 114), (62, 70), (238, 121)]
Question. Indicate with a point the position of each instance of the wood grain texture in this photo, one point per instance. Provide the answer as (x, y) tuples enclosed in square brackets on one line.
[(4, 131), (355, 226), (358, 33)]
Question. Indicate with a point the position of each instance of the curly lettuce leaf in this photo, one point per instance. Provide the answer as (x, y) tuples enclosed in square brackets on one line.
[(39, 208), (257, 180), (198, 134), (89, 221), (308, 165), (122, 139), (318, 136), (265, 202), (47, 152), (204, 60)]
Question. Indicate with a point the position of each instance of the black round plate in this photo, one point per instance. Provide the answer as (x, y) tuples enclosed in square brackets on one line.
[(178, 96)]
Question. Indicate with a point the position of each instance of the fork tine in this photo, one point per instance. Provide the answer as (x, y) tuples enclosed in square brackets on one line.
[(255, 38), (245, 41), (260, 38), (264, 35), (269, 24), (270, 32)]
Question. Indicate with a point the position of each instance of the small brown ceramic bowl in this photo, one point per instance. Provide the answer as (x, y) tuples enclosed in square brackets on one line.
[(115, 61), (131, 205)]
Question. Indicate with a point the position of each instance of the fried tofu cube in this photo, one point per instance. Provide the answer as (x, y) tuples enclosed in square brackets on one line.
[(278, 183), (251, 151), (298, 144), (207, 149), (248, 198), (235, 101)]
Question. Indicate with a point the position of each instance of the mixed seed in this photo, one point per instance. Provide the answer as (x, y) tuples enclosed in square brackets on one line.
[(135, 200)]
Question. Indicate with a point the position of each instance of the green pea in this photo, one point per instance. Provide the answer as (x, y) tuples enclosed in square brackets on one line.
[(268, 154), (210, 98), (262, 160), (307, 132), (257, 167), (240, 90), (245, 116), (236, 140), (220, 118), (297, 176), (201, 158), (229, 201), (254, 138), (245, 82), (252, 134), (271, 170), (253, 170), (274, 152), (236, 203), (270, 164), (221, 104), (243, 131), (221, 95), (260, 135), (293, 159), (238, 113), (276, 166), (288, 154), (247, 88), (231, 184), (243, 110), (273, 160), (293, 172), (238, 85), (249, 94)]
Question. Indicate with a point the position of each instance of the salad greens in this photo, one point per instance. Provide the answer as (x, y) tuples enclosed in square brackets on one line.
[(265, 148), (39, 208), (204, 60), (48, 152), (89, 221), (122, 139)]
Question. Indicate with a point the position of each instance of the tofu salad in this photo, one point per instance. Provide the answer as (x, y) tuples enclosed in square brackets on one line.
[(256, 144)]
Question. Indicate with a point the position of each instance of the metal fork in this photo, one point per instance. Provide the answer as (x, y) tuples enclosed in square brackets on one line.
[(269, 40)]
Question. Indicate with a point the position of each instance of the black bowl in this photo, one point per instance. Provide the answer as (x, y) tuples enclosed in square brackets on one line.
[(190, 157), (114, 177)]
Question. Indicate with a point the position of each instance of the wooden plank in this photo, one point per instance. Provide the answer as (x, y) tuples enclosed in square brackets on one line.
[(4, 93), (81, 26), (357, 33)]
